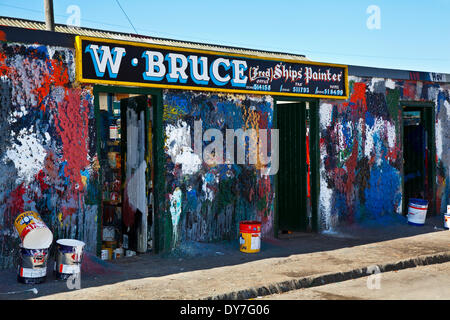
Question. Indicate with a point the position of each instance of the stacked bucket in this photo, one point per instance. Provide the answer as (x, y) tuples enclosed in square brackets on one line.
[(36, 240)]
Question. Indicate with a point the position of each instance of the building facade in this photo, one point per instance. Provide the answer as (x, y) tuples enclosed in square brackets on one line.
[(119, 161)]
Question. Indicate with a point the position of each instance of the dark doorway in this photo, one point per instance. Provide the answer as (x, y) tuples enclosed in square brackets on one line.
[(126, 170), (418, 155), (293, 169)]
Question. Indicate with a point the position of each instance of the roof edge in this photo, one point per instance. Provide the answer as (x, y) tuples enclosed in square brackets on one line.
[(62, 28)]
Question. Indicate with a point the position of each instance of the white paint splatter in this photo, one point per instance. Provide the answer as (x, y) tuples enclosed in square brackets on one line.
[(325, 110), (390, 84), (373, 82), (28, 155), (447, 106), (354, 78), (17, 114), (439, 148), (371, 131), (391, 135), (175, 209), (178, 146), (209, 178)]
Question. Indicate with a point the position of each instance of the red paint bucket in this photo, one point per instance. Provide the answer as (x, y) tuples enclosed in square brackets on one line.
[(250, 236)]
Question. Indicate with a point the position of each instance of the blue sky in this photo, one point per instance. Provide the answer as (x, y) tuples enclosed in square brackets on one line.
[(413, 34)]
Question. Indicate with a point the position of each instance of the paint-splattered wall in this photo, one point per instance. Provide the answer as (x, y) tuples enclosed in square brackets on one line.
[(361, 150), (205, 202), (47, 145)]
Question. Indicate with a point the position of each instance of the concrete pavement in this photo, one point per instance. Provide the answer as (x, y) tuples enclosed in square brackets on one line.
[(430, 282), (220, 271)]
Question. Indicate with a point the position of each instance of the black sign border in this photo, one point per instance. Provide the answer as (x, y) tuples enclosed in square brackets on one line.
[(81, 79)]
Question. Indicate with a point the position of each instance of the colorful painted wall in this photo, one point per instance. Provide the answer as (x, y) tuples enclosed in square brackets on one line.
[(47, 145), (204, 199), (361, 150)]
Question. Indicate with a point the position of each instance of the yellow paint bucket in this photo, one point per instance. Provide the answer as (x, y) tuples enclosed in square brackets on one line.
[(250, 236), (32, 230)]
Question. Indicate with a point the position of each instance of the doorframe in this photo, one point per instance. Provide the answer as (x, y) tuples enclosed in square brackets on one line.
[(158, 155), (314, 154), (432, 138)]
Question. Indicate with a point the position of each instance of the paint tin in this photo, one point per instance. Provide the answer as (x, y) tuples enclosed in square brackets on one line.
[(130, 253), (109, 252), (69, 254), (447, 221), (250, 236), (118, 253), (417, 211), (105, 254), (32, 231), (32, 268)]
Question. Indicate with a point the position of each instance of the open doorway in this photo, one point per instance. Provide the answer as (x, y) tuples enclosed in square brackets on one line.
[(294, 204), (126, 171), (418, 154)]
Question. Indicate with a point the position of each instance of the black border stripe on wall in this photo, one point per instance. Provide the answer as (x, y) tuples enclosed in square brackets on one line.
[(23, 35)]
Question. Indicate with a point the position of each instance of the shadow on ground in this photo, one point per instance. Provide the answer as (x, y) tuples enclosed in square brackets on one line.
[(196, 256)]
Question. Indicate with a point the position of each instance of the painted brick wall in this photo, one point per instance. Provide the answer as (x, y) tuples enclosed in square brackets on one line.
[(205, 202), (361, 150), (47, 145)]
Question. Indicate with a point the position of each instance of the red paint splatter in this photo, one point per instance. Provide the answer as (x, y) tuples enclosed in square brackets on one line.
[(263, 120), (67, 211), (409, 90), (57, 76), (4, 69), (72, 126), (15, 204), (40, 178)]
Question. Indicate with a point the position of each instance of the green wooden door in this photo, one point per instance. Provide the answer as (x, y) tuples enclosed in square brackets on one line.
[(291, 120)]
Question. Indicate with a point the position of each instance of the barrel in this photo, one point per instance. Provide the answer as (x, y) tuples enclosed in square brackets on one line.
[(69, 254), (32, 231), (32, 268), (417, 211), (250, 236)]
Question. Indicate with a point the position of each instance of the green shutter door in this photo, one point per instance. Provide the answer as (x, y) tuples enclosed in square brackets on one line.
[(291, 120)]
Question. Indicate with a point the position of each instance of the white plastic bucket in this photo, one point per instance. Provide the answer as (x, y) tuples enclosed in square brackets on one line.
[(447, 221), (417, 211)]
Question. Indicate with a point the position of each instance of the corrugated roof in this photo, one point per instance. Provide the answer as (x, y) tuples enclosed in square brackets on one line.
[(38, 25)]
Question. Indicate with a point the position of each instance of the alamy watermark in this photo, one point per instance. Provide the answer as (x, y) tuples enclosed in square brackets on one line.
[(374, 280), (74, 281), (251, 144), (374, 20), (74, 20)]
